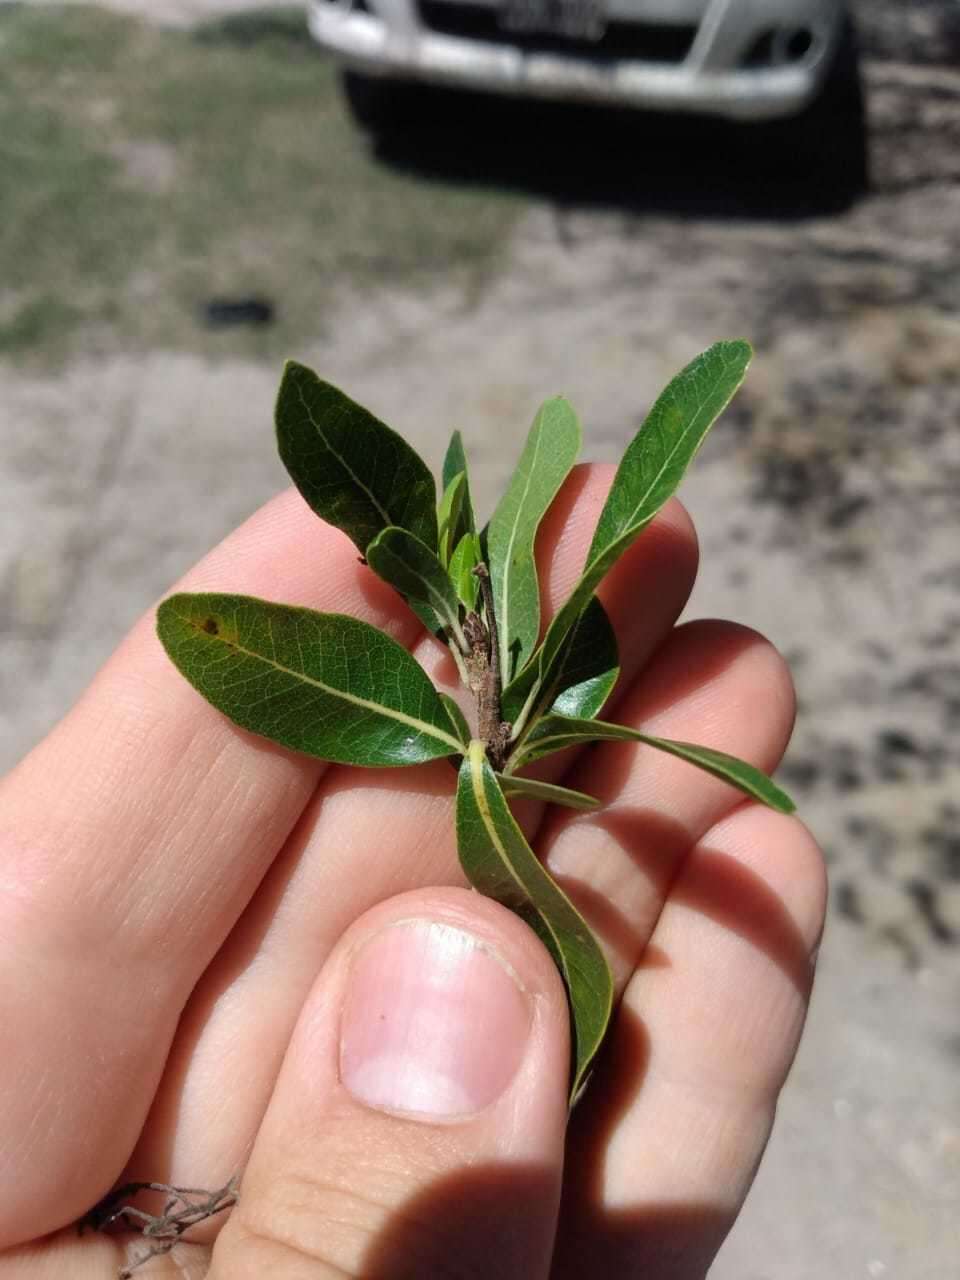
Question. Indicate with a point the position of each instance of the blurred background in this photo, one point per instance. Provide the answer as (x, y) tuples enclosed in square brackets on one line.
[(185, 199)]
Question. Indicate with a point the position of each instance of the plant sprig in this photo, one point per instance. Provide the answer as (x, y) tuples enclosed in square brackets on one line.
[(335, 687)]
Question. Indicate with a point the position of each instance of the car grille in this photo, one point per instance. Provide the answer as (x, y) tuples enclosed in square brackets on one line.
[(643, 41)]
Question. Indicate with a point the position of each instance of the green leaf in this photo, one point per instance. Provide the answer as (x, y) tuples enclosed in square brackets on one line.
[(551, 450), (451, 527), (455, 459), (581, 677), (353, 470), (585, 671), (457, 718), (554, 733), (549, 792), (320, 683), (414, 570), (499, 862), (462, 563), (652, 468), (455, 464)]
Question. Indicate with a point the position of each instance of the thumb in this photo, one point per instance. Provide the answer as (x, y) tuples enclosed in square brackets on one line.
[(417, 1125)]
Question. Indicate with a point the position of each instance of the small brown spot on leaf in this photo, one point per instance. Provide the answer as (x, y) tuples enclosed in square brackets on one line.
[(211, 627)]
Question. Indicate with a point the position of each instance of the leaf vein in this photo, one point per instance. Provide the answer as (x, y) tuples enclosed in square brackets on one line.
[(342, 460)]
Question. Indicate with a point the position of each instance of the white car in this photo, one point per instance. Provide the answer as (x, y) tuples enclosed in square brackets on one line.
[(740, 59)]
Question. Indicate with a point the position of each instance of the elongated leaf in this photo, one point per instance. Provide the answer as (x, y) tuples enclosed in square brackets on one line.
[(450, 521), (414, 570), (553, 733), (455, 463), (499, 862), (581, 677), (457, 719), (549, 792), (462, 563), (454, 460), (320, 683), (652, 468), (551, 450), (353, 470), (583, 674)]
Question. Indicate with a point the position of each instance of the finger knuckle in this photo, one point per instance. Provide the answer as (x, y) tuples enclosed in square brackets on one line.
[(313, 1227)]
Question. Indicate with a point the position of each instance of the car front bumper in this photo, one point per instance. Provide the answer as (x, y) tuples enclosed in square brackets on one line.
[(394, 42)]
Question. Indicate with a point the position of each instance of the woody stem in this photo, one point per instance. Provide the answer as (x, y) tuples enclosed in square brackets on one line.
[(483, 574), (489, 695)]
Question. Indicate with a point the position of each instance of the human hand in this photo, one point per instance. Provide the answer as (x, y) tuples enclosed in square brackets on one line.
[(220, 958)]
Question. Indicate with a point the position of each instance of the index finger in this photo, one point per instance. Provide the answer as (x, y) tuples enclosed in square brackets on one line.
[(130, 841)]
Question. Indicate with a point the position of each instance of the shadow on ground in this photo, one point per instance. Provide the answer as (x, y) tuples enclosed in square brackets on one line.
[(587, 155), (638, 162)]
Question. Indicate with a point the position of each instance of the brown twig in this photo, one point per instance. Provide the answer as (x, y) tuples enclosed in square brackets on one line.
[(482, 573), (184, 1208), (494, 732)]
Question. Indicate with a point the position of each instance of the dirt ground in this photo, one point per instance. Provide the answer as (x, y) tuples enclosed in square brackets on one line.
[(827, 503)]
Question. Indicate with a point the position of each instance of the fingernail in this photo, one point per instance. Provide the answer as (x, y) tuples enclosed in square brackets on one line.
[(433, 1023)]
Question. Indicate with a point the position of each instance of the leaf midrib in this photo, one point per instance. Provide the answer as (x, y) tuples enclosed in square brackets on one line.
[(429, 730), (385, 515), (629, 524), (599, 561), (476, 757), (441, 603), (503, 622), (538, 743)]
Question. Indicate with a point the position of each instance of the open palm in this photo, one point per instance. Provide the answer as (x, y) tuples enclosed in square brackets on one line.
[(173, 887)]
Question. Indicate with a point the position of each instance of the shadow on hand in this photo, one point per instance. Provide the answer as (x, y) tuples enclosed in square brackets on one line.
[(663, 1241), (488, 1220), (495, 1220), (695, 655), (657, 1242), (723, 890)]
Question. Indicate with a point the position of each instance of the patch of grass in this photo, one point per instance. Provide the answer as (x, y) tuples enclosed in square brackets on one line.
[(255, 26), (145, 171), (43, 321)]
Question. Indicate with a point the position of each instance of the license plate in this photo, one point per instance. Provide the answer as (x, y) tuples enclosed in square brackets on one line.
[(575, 19)]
